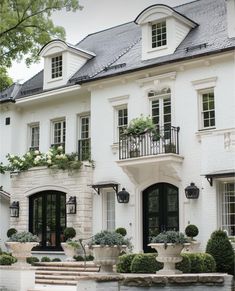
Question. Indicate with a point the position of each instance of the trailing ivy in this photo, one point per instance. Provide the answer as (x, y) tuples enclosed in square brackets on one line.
[(54, 159)]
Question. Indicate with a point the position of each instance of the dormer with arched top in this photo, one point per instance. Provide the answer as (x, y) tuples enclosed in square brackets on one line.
[(61, 62), (163, 29)]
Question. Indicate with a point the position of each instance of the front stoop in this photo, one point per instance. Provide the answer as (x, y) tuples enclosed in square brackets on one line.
[(63, 273)]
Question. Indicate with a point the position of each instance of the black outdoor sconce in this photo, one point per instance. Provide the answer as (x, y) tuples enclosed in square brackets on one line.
[(192, 192), (14, 209), (123, 196), (71, 205)]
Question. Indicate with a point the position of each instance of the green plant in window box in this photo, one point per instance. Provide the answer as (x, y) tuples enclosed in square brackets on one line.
[(140, 125)]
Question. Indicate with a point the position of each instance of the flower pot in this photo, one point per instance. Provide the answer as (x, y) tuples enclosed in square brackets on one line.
[(193, 247), (69, 251), (134, 153), (169, 255), (106, 256), (21, 251)]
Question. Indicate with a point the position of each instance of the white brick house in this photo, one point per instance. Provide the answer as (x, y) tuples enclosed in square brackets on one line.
[(176, 65)]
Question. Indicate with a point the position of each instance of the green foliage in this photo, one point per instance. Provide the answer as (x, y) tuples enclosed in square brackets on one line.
[(26, 26), (170, 236), (11, 231), (54, 159), (45, 259), (5, 80), (74, 244), (124, 263), (69, 233), (79, 258), (222, 251), (209, 263), (191, 230), (23, 237), (140, 125), (185, 265), (89, 258), (145, 263), (110, 238), (56, 260), (201, 263), (0, 251), (32, 260), (7, 259), (121, 230)]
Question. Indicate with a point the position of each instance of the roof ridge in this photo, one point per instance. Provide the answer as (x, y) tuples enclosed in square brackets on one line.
[(96, 32), (117, 58)]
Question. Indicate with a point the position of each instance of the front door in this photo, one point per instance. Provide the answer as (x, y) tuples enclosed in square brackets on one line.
[(47, 218), (160, 211)]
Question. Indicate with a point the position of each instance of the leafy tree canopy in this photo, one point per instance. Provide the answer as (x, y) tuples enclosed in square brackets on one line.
[(25, 27)]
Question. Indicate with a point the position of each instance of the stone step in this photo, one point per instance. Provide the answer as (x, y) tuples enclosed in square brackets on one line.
[(78, 269), (56, 277), (56, 282), (66, 264)]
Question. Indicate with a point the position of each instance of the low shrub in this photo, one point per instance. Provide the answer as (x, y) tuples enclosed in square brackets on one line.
[(110, 238), (11, 231), (7, 260), (32, 260), (89, 258), (124, 263), (222, 251), (121, 230), (145, 263), (201, 263), (78, 258), (209, 263), (23, 236), (185, 265), (56, 260), (196, 263), (0, 251), (45, 259)]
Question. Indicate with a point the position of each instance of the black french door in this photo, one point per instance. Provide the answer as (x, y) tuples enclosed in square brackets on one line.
[(47, 218), (160, 211)]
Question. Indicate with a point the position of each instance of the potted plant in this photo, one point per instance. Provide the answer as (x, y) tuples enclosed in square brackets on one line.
[(192, 231), (70, 246), (106, 246), (169, 245), (21, 244)]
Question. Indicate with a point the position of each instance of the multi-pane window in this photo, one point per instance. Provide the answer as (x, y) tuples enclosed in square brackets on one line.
[(228, 207), (84, 142), (122, 119), (208, 109), (59, 132), (159, 36), (56, 67), (34, 137), (109, 208)]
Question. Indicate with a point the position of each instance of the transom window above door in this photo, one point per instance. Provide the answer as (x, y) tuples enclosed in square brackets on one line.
[(58, 133)]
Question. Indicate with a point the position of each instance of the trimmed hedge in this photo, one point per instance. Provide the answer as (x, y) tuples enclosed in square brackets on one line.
[(185, 265), (32, 260), (124, 263), (56, 260), (222, 251), (145, 263), (45, 259), (7, 259), (201, 263)]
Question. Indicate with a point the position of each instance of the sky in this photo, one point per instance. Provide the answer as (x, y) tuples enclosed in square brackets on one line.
[(96, 15)]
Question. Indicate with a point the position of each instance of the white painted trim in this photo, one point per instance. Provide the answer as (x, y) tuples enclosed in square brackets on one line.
[(47, 188), (157, 78), (118, 100), (204, 83)]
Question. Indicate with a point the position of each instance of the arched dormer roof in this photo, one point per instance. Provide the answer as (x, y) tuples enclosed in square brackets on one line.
[(161, 11)]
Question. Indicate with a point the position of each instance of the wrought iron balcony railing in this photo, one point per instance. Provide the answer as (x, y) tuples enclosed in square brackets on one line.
[(84, 149), (164, 140)]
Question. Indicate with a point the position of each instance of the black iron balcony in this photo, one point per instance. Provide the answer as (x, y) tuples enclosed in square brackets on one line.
[(84, 149), (164, 140)]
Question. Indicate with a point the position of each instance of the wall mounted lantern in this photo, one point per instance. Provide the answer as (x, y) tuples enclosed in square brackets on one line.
[(192, 192), (123, 196), (15, 209), (71, 205)]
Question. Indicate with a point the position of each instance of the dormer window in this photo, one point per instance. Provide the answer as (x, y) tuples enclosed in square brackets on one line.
[(56, 67), (159, 37)]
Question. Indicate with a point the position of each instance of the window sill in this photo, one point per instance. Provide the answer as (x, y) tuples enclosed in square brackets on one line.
[(55, 79), (164, 47)]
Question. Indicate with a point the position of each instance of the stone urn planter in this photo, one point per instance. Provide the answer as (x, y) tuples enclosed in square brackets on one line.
[(106, 256), (169, 245), (21, 250), (70, 251)]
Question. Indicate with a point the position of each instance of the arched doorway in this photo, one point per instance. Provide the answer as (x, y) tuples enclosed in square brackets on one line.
[(47, 218), (160, 211)]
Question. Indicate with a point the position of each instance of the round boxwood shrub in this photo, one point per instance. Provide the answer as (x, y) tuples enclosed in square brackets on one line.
[(7, 260), (197, 264), (185, 265), (45, 259), (32, 260), (56, 260), (78, 258), (209, 265), (89, 258), (191, 230), (222, 251), (145, 263), (69, 233), (124, 263), (11, 231), (121, 230)]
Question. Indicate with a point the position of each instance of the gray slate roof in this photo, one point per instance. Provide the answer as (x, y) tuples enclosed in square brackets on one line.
[(118, 49)]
